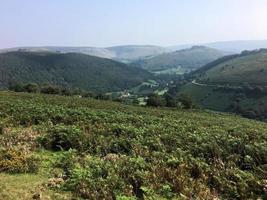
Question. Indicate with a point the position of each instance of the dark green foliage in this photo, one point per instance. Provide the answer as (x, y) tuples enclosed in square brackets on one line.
[(171, 101), (186, 101), (49, 89), (61, 137), (31, 88), (155, 100), (68, 70)]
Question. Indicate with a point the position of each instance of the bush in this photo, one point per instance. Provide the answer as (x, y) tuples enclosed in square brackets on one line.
[(16, 161), (61, 137), (95, 179)]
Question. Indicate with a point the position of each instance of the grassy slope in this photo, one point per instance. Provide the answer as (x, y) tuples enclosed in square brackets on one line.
[(251, 68), (182, 131), (210, 98)]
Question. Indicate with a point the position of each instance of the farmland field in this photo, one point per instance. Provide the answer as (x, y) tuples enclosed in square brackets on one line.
[(77, 148)]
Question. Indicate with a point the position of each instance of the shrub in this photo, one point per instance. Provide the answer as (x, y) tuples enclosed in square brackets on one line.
[(61, 137), (16, 161), (95, 179)]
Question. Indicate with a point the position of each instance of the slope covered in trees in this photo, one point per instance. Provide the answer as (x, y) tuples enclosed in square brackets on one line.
[(68, 70)]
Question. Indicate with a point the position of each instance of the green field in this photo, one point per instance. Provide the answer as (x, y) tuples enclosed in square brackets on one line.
[(75, 148)]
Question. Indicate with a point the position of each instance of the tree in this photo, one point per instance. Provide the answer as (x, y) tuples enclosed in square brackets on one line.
[(17, 87), (186, 101), (31, 88), (49, 89), (171, 101), (155, 100)]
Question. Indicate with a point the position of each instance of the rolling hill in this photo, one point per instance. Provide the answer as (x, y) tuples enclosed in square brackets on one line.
[(127, 53), (70, 69), (236, 83), (180, 61)]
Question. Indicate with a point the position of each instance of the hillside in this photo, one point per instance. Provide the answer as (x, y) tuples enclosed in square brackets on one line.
[(248, 67), (180, 61), (236, 83), (70, 70), (73, 148)]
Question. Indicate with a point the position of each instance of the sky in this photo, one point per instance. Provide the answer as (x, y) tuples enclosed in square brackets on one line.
[(105, 23)]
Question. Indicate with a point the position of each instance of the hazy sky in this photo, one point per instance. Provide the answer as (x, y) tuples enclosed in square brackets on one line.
[(117, 22)]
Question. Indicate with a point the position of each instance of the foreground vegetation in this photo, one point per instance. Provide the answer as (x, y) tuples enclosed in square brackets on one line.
[(69, 147)]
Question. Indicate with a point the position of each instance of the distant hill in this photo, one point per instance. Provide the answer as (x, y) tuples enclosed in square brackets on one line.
[(127, 53), (239, 45), (71, 69), (235, 46), (180, 61), (236, 83)]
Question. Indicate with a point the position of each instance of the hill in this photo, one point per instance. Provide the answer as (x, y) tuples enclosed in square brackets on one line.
[(236, 83), (247, 67), (235, 46), (75, 148), (180, 61), (71, 70), (239, 45), (127, 53)]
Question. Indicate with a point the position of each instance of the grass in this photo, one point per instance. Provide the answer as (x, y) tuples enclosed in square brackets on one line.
[(24, 186), (206, 97)]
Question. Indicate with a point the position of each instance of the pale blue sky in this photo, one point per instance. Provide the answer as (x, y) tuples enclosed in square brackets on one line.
[(118, 22)]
